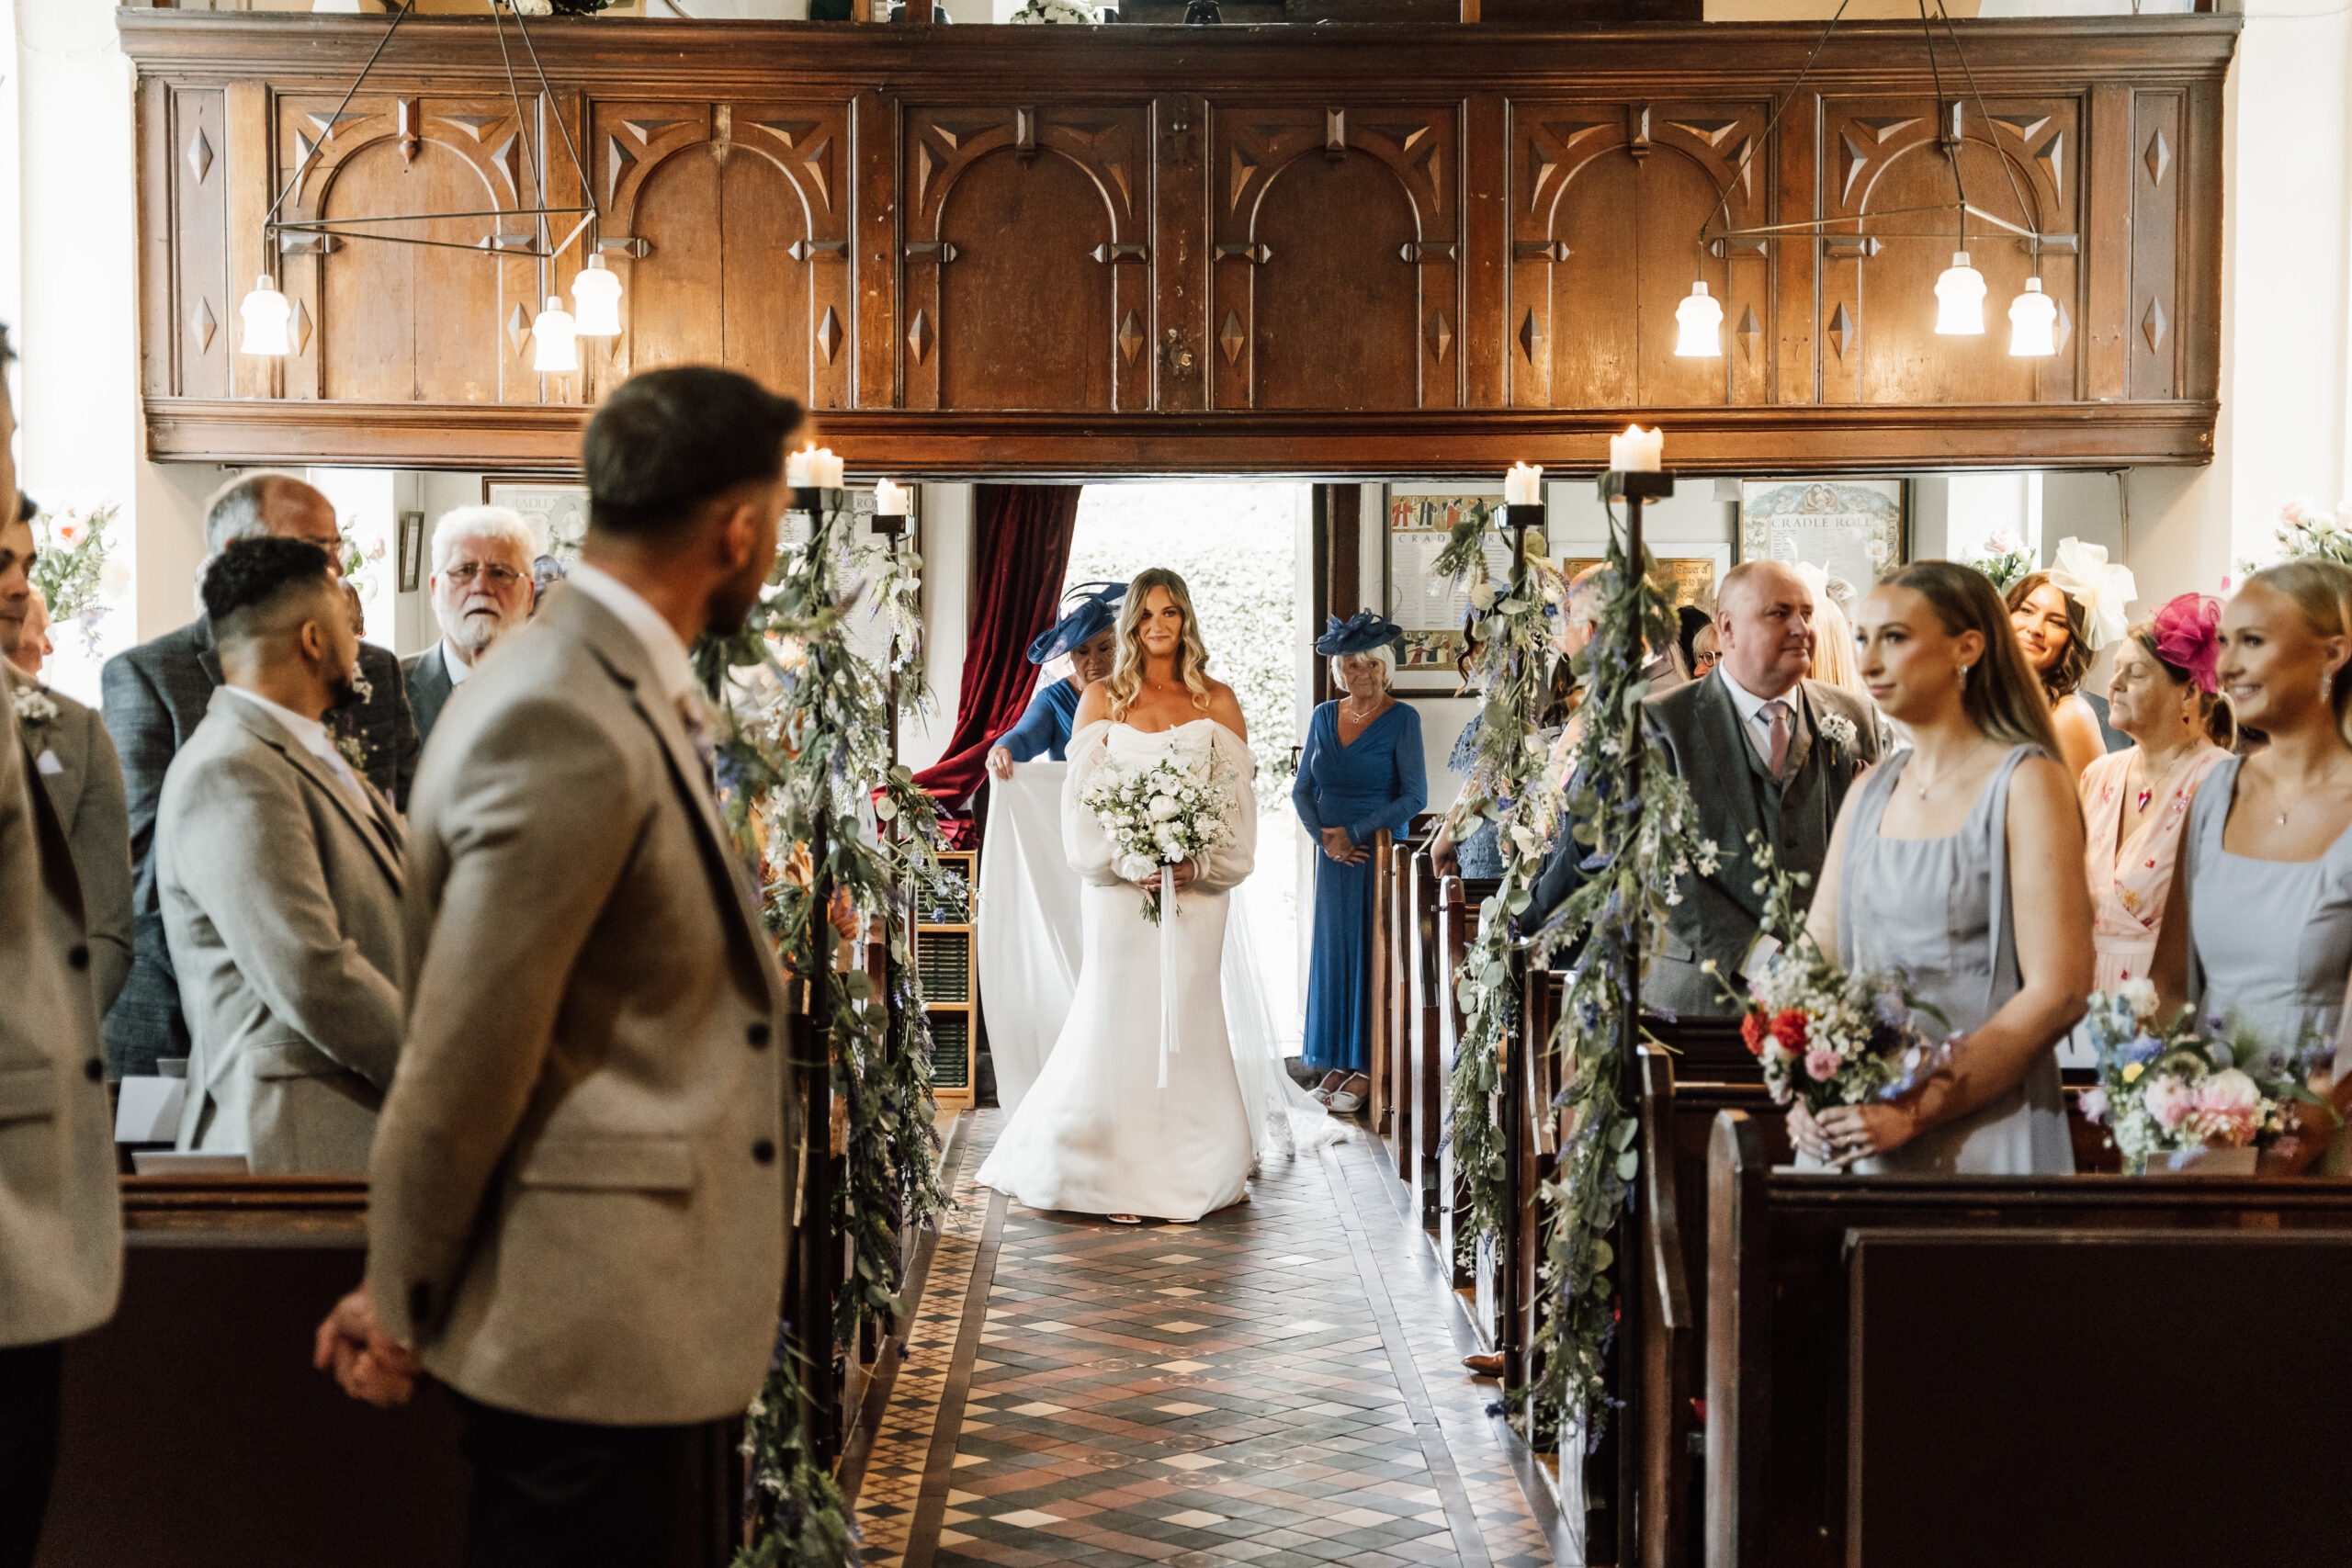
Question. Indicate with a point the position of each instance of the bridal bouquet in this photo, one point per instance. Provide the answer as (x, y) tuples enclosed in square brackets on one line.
[(1157, 813), (2162, 1088), (1827, 1036)]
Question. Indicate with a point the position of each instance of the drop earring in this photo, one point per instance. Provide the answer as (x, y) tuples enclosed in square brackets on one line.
[(1964, 677), (2327, 687)]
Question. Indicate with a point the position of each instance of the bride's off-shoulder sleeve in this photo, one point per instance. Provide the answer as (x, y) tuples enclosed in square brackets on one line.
[(1083, 840), (1229, 864)]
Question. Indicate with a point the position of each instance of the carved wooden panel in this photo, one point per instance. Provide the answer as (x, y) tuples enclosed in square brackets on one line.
[(2153, 335), (1883, 161), (728, 225), (203, 330), (1336, 256), (1609, 202), (1026, 259), (440, 322)]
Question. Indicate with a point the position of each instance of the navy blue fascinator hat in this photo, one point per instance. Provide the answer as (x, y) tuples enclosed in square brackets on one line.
[(1360, 633), (1094, 609)]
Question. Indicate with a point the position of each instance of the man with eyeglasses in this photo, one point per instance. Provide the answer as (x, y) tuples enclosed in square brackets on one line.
[(481, 590)]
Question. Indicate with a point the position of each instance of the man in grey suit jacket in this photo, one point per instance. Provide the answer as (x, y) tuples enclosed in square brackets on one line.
[(61, 1219), (1762, 749), (155, 696), (580, 1194), (481, 590), (75, 762), (278, 871)]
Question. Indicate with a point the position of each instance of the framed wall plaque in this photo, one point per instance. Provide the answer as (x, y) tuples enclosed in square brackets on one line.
[(559, 511), (1428, 608), (1855, 530)]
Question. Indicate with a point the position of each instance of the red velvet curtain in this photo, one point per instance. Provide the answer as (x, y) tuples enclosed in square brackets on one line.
[(1020, 545)]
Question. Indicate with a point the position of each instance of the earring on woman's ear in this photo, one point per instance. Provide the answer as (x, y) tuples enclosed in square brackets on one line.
[(2326, 687), (1963, 674)]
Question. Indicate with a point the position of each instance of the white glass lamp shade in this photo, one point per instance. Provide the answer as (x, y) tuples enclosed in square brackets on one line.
[(596, 301), (1698, 330), (554, 339), (265, 314), (1960, 299), (2033, 321)]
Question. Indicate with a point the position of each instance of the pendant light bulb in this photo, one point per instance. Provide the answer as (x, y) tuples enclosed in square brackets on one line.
[(1960, 299), (596, 301), (2033, 320), (1699, 322), (265, 314), (554, 347)]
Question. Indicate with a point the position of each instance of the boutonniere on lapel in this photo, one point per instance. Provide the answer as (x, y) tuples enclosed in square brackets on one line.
[(353, 749), (1839, 730), (34, 705)]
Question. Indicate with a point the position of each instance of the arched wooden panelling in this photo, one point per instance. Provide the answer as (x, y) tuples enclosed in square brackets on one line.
[(1338, 241), (1025, 258), (1609, 203), (1882, 156), (740, 212), (379, 300)]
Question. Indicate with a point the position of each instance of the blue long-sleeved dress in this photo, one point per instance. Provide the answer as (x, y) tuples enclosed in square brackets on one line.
[(1045, 726), (1375, 780)]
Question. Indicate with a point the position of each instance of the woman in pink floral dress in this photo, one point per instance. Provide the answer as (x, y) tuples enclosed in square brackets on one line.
[(2136, 802)]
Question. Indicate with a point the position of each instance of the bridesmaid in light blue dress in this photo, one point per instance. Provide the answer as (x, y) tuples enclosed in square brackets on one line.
[(1362, 771), (1959, 861)]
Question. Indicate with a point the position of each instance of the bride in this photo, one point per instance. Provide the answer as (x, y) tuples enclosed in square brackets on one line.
[(1141, 1112)]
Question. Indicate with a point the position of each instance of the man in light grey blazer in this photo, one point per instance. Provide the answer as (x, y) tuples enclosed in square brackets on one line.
[(481, 591), (582, 1185), (278, 868), (73, 758), (61, 1219), (1763, 750)]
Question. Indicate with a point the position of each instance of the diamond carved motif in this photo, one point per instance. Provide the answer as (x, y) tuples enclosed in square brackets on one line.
[(1130, 337), (2158, 157), (2063, 327), (1750, 333), (518, 329), (199, 155), (2153, 325), (1230, 337), (301, 325), (1842, 330), (1441, 336), (828, 335), (919, 337), (203, 324), (1530, 335)]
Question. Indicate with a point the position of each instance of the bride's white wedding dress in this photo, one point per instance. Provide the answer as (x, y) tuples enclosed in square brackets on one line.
[(1097, 1133)]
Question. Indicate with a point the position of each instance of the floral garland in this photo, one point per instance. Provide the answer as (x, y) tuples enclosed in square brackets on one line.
[(1642, 841), (803, 759), (1520, 653), (794, 1515)]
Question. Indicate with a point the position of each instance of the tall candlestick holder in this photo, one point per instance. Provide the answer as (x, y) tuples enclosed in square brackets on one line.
[(1511, 1338)]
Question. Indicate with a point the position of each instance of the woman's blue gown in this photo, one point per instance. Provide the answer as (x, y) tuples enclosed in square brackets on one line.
[(1376, 781)]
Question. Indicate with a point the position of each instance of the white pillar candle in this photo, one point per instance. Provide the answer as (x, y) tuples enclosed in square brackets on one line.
[(796, 468), (1524, 486), (1638, 451), (889, 499), (826, 467)]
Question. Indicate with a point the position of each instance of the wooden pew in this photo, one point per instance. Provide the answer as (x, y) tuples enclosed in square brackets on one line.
[(2082, 1370), (1432, 979)]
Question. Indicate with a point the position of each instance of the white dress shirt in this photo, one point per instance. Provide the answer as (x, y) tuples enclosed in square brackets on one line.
[(452, 661), (671, 666), (1754, 722), (312, 737)]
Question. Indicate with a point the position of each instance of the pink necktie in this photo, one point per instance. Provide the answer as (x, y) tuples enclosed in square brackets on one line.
[(1778, 713)]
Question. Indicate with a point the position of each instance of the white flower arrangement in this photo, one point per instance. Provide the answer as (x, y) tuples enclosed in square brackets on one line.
[(1161, 813), (34, 705), (1068, 13), (1839, 730), (2306, 532)]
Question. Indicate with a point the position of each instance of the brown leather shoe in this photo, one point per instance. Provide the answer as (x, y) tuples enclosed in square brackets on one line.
[(1484, 1366)]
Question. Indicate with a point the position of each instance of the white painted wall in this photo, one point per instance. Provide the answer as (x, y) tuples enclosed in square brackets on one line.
[(947, 567)]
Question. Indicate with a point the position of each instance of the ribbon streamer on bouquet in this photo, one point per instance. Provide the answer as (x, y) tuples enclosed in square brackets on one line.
[(1168, 1042)]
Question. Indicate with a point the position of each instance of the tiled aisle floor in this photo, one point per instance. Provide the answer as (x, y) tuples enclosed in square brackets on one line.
[(1278, 1385)]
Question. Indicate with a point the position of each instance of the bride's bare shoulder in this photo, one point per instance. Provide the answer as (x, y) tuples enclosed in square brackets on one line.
[(1225, 708), (1094, 704)]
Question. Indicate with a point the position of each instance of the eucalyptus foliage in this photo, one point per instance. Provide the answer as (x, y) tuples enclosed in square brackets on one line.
[(794, 1514), (813, 798)]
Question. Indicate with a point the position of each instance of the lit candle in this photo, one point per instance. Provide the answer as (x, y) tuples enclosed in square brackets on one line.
[(889, 499), (1524, 486), (813, 467), (1638, 451), (796, 468), (827, 467)]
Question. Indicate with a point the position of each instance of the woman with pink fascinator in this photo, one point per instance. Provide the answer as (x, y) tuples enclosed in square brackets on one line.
[(2166, 695)]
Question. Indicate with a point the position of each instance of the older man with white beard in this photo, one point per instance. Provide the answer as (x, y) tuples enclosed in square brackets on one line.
[(481, 590)]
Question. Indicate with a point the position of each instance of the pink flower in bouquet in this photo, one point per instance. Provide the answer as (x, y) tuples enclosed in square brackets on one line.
[(2169, 1101), (2227, 1106), (2094, 1105), (1821, 1063)]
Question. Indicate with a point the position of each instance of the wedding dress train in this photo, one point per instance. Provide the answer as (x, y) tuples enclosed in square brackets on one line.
[(1097, 1133)]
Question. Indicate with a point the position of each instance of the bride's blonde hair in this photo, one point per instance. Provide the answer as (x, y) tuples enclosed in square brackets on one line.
[(1193, 658)]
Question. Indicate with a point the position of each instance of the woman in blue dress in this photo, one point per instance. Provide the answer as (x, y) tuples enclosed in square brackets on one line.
[(1088, 636), (1362, 771)]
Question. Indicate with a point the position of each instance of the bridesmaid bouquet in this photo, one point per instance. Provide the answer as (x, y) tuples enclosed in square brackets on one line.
[(1156, 815), (1826, 1035), (2163, 1089)]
